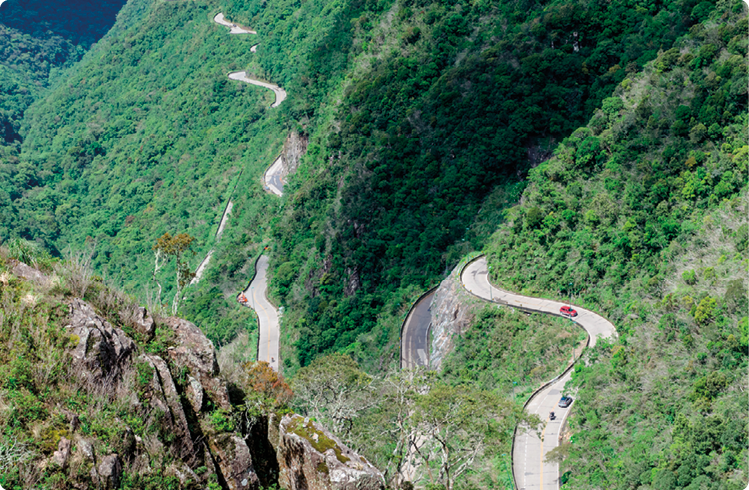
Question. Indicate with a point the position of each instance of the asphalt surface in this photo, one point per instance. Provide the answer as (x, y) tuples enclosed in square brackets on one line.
[(269, 328), (278, 91), (272, 177), (235, 29), (280, 94), (531, 472), (415, 334)]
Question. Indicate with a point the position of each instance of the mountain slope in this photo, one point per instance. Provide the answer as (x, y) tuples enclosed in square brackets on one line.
[(642, 215)]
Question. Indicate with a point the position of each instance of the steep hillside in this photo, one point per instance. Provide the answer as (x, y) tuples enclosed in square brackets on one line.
[(415, 113), (39, 38), (446, 102), (98, 393), (643, 215)]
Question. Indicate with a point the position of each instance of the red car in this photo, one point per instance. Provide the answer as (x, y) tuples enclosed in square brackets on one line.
[(567, 311)]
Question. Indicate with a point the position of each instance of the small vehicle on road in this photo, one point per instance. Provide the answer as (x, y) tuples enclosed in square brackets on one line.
[(552, 416), (568, 311), (565, 402)]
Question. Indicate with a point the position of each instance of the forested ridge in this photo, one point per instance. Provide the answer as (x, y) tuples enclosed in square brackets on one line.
[(593, 149), (642, 215)]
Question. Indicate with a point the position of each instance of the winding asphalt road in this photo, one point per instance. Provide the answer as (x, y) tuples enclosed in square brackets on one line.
[(415, 334), (529, 452), (280, 94), (235, 29), (272, 177), (269, 326)]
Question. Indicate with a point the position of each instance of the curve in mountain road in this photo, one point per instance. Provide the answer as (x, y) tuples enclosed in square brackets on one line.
[(528, 466), (235, 28), (277, 91), (415, 333), (280, 94), (256, 292), (268, 320), (272, 177)]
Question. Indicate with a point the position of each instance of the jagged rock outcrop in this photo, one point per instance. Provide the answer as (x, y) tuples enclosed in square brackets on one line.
[(110, 472), (61, 456), (29, 273), (164, 426), (196, 353), (165, 398), (102, 351), (144, 322), (453, 310), (233, 457), (294, 149), (311, 458)]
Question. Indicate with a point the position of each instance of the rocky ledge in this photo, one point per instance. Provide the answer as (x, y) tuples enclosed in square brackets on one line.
[(313, 458), (177, 418)]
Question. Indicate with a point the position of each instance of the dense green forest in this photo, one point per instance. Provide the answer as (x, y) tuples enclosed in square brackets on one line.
[(39, 39), (448, 101), (416, 112), (602, 144), (642, 215)]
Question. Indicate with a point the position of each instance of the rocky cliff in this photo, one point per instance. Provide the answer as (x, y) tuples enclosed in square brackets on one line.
[(98, 393), (453, 310), (294, 149)]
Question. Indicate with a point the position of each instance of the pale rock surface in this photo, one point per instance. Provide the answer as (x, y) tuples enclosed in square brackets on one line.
[(294, 149), (29, 273), (61, 456), (196, 353), (144, 321), (194, 393), (453, 310), (232, 456), (165, 398), (110, 471), (311, 458), (104, 351)]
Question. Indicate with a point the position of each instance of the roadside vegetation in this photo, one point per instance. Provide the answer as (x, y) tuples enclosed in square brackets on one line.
[(642, 216)]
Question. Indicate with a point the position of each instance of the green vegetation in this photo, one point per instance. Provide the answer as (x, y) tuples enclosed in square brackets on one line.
[(641, 215), (446, 102), (147, 136), (497, 363)]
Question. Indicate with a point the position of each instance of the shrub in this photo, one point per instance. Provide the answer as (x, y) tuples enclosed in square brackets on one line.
[(690, 277)]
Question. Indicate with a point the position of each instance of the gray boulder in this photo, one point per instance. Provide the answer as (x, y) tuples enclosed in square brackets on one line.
[(102, 350), (110, 471), (311, 458), (196, 353), (144, 321), (233, 458)]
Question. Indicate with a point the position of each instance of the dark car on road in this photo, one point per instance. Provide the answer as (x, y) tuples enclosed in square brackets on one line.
[(567, 311), (565, 402)]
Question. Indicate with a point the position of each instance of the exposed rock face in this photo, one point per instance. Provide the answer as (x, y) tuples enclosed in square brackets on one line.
[(144, 322), (233, 458), (312, 458), (165, 398), (29, 273), (294, 149), (196, 353), (453, 310), (103, 350), (110, 471), (61, 456), (171, 398), (194, 393)]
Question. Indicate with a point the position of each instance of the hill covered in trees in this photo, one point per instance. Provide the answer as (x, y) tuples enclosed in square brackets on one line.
[(642, 215), (593, 149)]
